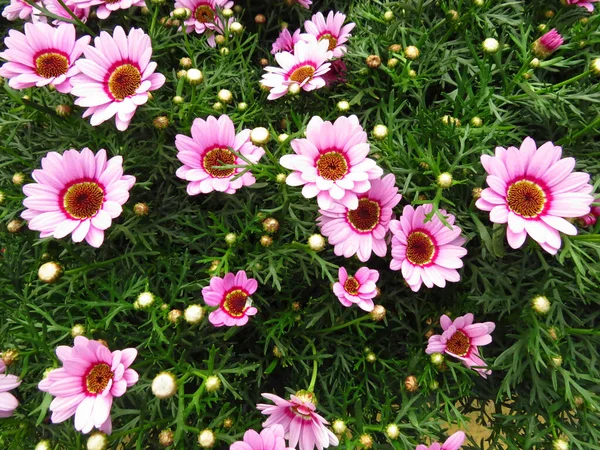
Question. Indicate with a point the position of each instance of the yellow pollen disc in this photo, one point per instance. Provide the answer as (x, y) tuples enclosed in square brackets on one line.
[(83, 200), (235, 303), (331, 39), (98, 378), (332, 166), (419, 248), (302, 73), (459, 344), (124, 81), (366, 217), (204, 14), (526, 198), (218, 157), (51, 65), (351, 286)]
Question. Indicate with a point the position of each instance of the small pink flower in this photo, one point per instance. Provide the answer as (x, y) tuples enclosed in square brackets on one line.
[(426, 251), (43, 55), (547, 44), (8, 402), (76, 192), (19, 9), (214, 143), (533, 190), (271, 438), (363, 230), (231, 294), (587, 4), (462, 339), (331, 29), (337, 73), (106, 7), (91, 376), (56, 8), (359, 289), (304, 67), (332, 162), (302, 425), (116, 77), (304, 3), (204, 14), (454, 442), (286, 41)]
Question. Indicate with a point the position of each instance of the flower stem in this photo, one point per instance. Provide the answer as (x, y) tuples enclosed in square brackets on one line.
[(582, 331), (313, 379), (345, 325), (554, 86)]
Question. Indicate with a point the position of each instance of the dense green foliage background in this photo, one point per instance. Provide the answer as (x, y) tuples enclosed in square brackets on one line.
[(530, 400)]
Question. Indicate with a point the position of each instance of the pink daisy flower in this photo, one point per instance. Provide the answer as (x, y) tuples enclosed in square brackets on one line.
[(214, 143), (271, 438), (8, 402), (426, 251), (357, 290), (337, 73), (587, 4), (331, 29), (547, 44), (116, 77), (462, 339), (231, 294), (454, 442), (91, 376), (78, 193), (305, 67), (18, 9), (56, 8), (533, 190), (43, 55), (304, 3), (204, 14), (362, 230), (302, 425), (106, 7), (332, 162), (286, 41)]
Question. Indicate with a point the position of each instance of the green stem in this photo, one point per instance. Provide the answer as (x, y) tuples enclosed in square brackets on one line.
[(587, 128), (554, 86), (313, 379), (584, 331), (345, 325), (74, 21)]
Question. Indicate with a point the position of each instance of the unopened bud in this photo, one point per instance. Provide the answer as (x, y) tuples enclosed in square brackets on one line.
[(378, 313), (366, 441), (185, 63), (230, 238), (380, 132), (260, 136), (181, 13), (444, 180), (206, 438), (373, 61), (225, 96), (164, 385), (339, 427), (174, 315), (316, 242), (77, 330), (476, 122), (260, 19), (9, 357), (194, 77), (388, 16), (49, 272), (166, 438), (160, 122), (490, 46), (270, 225), (540, 305), (411, 383), (18, 178), (412, 52), (266, 241), (343, 106), (392, 431), (193, 314), (97, 441), (63, 110), (141, 209), (213, 383), (236, 27)]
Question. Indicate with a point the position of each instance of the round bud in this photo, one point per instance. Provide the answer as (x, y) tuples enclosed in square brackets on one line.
[(9, 357), (230, 238), (63, 110), (18, 178), (26, 98), (263, 62), (478, 2), (412, 52), (343, 106), (476, 122), (366, 440), (49, 272), (166, 437), (339, 427), (242, 106), (2, 197), (388, 16), (549, 14), (393, 62), (228, 423), (145, 300), (380, 132), (43, 445), (77, 330), (213, 383), (141, 209), (283, 137), (228, 12), (97, 441), (178, 100), (437, 359), (14, 226), (206, 438), (541, 305), (452, 15), (236, 27), (476, 193), (392, 431), (220, 39), (557, 361), (194, 77), (294, 89), (560, 444), (373, 61), (164, 385), (270, 225), (174, 315), (214, 265), (217, 106), (595, 66), (296, 306), (281, 177), (411, 383), (260, 136), (260, 19), (316, 242), (238, 9), (224, 51), (181, 13), (395, 48), (553, 333), (266, 241), (378, 313), (160, 122), (225, 96), (412, 73), (276, 352), (435, 384), (371, 357), (444, 180), (534, 63), (185, 62), (181, 73), (490, 46), (193, 314)]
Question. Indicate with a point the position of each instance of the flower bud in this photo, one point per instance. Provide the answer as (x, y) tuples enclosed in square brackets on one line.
[(227, 12), (260, 136), (230, 238), (18, 178), (534, 63), (547, 44), (145, 300), (452, 15), (166, 437), (380, 132), (242, 106), (266, 241), (236, 27), (444, 180), (412, 73), (560, 444), (388, 16), (294, 89), (366, 440), (228, 423), (178, 100), (490, 46), (339, 427), (395, 48), (476, 122), (141, 209), (557, 361), (260, 19), (220, 39), (194, 77), (392, 431), (263, 62), (2, 197), (449, 120), (49, 272), (225, 96), (343, 106), (181, 13), (476, 193), (164, 385), (174, 315), (185, 63), (270, 225), (437, 359), (63, 110), (43, 445), (276, 352), (412, 52), (411, 383), (280, 178), (283, 137), (212, 383), (378, 313), (193, 314), (393, 62), (217, 106), (160, 122), (595, 66), (10, 356), (77, 330), (316, 242), (206, 439), (371, 357), (238, 9), (373, 61), (97, 441), (541, 305)]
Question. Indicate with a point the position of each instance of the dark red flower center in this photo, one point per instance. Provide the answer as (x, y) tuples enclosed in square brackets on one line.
[(458, 344), (235, 303), (218, 157), (351, 286), (419, 248), (124, 81), (331, 39), (204, 14), (97, 379), (332, 166), (366, 217), (526, 198), (51, 65), (83, 200), (302, 73)]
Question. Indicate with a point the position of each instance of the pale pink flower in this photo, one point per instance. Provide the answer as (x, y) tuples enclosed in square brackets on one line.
[(547, 44), (271, 438), (462, 339), (19, 9), (286, 41), (304, 3), (332, 162), (204, 14), (533, 190), (357, 290), (332, 29), (76, 192), (363, 230), (304, 67), (56, 8), (426, 251), (106, 7), (90, 377), (116, 76), (8, 402), (454, 442), (232, 296), (587, 4), (302, 425), (42, 56), (214, 143)]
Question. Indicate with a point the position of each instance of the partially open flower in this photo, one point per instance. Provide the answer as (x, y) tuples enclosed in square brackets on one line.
[(547, 44)]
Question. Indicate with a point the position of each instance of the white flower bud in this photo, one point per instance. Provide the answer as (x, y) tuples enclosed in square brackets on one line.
[(97, 441), (145, 300), (194, 76), (343, 106), (213, 383), (225, 96), (392, 431), (316, 242), (339, 427), (77, 330), (490, 45), (236, 27), (193, 314), (380, 132), (260, 136), (540, 305), (206, 439), (49, 272), (164, 385), (444, 180)]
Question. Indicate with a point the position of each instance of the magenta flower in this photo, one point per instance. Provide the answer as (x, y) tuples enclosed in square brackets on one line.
[(43, 55), (214, 143), (116, 76), (587, 4), (78, 193), (271, 438), (454, 442), (106, 7), (286, 41), (357, 290), (304, 67), (547, 44), (462, 339), (231, 294), (332, 162), (337, 73), (363, 230), (19, 9), (56, 8), (426, 251), (533, 190), (8, 402), (302, 425), (331, 29), (204, 14), (91, 376)]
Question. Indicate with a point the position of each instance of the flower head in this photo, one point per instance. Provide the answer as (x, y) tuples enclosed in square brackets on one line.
[(42, 56), (204, 17), (304, 67), (359, 289), (332, 29), (106, 7), (301, 424), (332, 162), (533, 190), (362, 231), (587, 4), (231, 294), (271, 438), (214, 143), (286, 41), (8, 402), (116, 77), (91, 376), (76, 192), (547, 44), (454, 442), (462, 338), (56, 8), (426, 251), (19, 9)]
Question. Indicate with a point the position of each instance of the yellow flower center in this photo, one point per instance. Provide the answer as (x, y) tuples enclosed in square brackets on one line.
[(302, 73), (51, 65), (124, 81), (204, 14), (216, 158), (98, 378), (332, 166), (235, 303), (459, 344), (331, 39), (419, 248), (366, 217), (351, 286), (526, 198), (83, 200)]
